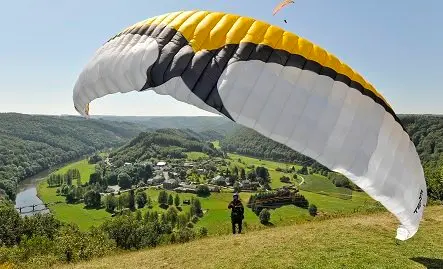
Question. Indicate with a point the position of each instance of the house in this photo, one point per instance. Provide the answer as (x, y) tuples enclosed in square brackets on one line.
[(161, 164), (248, 185), (158, 179), (170, 184), (188, 165), (214, 188), (218, 180), (186, 190)]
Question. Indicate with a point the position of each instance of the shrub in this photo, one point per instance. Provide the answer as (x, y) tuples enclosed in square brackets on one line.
[(312, 210), (265, 216)]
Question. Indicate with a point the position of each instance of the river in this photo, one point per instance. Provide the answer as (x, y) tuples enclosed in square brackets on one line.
[(27, 191)]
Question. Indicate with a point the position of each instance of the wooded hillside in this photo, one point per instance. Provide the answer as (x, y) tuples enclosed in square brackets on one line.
[(32, 143)]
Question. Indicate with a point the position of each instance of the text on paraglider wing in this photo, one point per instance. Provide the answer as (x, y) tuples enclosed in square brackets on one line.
[(419, 202)]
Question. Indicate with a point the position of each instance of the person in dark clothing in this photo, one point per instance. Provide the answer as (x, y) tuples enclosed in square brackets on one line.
[(237, 213)]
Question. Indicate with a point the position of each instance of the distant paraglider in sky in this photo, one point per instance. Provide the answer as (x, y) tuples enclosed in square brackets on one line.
[(281, 5), (275, 82)]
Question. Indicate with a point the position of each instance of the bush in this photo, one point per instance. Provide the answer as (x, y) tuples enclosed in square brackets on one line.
[(92, 199), (265, 216), (203, 190), (190, 225), (141, 199), (203, 231), (185, 235), (312, 210)]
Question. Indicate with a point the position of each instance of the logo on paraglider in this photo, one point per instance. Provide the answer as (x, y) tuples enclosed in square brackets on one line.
[(419, 202)]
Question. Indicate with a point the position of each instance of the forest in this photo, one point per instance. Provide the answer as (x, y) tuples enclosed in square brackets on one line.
[(162, 143), (30, 144)]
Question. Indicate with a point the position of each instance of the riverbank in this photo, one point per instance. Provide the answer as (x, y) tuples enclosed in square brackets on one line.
[(72, 213), (27, 194)]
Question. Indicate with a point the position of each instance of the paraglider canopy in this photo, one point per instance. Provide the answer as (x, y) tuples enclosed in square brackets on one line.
[(274, 82), (281, 5)]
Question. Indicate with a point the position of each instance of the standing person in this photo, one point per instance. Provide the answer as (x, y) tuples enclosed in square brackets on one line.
[(237, 213)]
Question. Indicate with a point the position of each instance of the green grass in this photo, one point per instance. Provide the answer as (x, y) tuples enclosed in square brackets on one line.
[(352, 242), (216, 144), (75, 213), (194, 155), (257, 162), (322, 185), (217, 217), (83, 166)]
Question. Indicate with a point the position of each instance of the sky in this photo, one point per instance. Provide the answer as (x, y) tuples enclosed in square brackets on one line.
[(397, 45)]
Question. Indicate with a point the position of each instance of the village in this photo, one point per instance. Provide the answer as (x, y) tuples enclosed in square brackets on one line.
[(185, 176)]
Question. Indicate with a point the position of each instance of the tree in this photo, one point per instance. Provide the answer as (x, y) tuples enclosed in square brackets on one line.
[(263, 174), (10, 224), (265, 216), (303, 170), (177, 200), (149, 202), (312, 210), (71, 196), (131, 200), (124, 181), (242, 174), (95, 159), (163, 198), (170, 200), (92, 199), (141, 199), (196, 209), (95, 178), (203, 190), (110, 203), (172, 215)]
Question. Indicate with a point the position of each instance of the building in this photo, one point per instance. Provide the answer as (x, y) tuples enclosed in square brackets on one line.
[(161, 164), (170, 184), (158, 179), (218, 180)]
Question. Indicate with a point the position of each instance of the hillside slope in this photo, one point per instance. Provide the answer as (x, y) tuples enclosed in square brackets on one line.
[(365, 241), (162, 143), (32, 143)]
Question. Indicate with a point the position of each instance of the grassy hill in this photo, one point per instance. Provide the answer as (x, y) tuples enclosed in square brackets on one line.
[(162, 143), (353, 242)]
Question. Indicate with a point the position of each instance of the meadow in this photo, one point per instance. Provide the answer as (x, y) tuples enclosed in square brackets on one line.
[(352, 242), (217, 216)]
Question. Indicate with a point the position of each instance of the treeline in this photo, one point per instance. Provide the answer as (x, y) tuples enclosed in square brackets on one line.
[(42, 241), (164, 143), (30, 144)]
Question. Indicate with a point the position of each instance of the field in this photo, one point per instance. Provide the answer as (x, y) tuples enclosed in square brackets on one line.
[(194, 155), (217, 216), (76, 213), (351, 242)]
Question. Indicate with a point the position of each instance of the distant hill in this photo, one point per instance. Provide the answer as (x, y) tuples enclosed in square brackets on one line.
[(162, 143), (32, 143), (214, 125), (426, 131)]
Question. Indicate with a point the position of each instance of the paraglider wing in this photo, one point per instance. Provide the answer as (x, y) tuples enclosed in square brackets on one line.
[(272, 81), (281, 5)]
